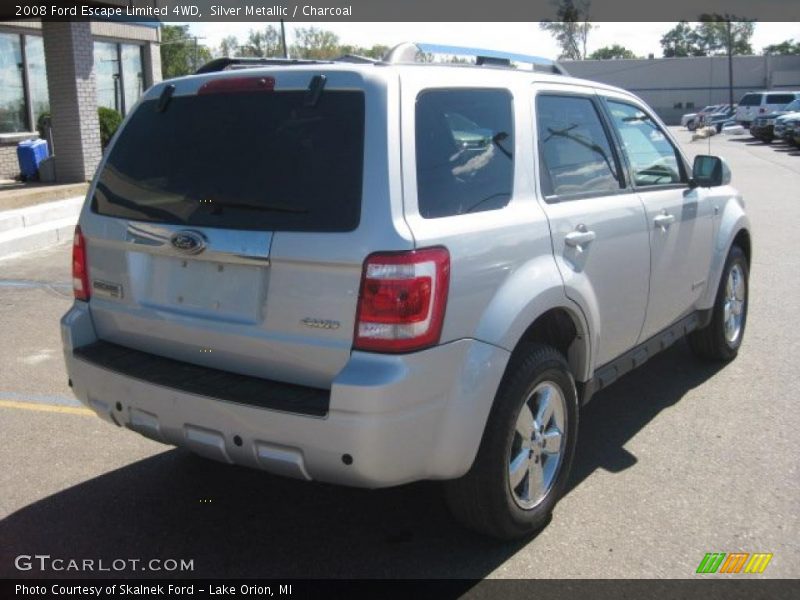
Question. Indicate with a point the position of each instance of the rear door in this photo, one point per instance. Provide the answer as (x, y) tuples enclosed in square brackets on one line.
[(225, 226), (679, 217), (599, 231)]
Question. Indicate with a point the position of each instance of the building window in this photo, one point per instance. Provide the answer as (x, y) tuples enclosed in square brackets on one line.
[(106, 69), (23, 82), (132, 74), (119, 77), (37, 78), (12, 85)]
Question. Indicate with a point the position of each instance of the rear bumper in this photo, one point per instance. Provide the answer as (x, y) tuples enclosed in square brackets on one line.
[(392, 419)]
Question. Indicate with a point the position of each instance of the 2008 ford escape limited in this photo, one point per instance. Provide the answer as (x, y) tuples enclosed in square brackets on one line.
[(377, 273)]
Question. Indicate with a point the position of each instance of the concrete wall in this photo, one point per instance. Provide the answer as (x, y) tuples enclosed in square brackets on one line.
[(665, 82)]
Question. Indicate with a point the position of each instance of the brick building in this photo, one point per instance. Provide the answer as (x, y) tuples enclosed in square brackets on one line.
[(68, 69)]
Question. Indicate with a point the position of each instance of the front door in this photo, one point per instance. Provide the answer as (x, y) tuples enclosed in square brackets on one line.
[(680, 218)]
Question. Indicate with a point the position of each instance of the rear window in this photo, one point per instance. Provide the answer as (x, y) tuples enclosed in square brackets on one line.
[(750, 100), (779, 98), (465, 145), (250, 160)]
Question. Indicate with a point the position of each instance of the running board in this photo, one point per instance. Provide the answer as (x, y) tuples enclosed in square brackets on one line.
[(610, 372)]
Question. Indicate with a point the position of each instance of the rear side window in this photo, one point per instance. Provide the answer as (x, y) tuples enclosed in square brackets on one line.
[(653, 158), (779, 98), (248, 160), (465, 151), (750, 100), (575, 154)]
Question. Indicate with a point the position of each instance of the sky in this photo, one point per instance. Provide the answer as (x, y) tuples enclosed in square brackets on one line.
[(523, 38)]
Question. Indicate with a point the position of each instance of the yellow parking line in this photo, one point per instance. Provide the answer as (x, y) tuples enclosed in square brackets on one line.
[(70, 410)]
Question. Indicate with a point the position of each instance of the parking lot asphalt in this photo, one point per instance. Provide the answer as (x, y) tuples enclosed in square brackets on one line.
[(677, 459)]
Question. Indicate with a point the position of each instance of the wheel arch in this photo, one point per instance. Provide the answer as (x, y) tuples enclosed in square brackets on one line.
[(734, 229), (565, 330)]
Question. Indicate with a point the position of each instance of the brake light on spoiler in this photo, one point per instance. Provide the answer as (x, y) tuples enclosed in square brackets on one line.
[(233, 85), (402, 300)]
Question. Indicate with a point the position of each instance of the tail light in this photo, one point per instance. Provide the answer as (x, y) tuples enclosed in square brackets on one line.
[(80, 269), (402, 301)]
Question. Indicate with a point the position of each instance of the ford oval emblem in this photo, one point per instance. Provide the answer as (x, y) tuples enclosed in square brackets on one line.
[(188, 242)]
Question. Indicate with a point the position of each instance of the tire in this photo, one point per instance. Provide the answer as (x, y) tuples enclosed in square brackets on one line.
[(718, 341), (483, 499), (691, 125)]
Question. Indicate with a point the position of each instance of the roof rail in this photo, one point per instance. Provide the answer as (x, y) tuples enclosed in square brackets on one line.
[(243, 62), (356, 59), (407, 53)]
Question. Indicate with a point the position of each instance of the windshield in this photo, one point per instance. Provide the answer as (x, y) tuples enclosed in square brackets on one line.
[(248, 160)]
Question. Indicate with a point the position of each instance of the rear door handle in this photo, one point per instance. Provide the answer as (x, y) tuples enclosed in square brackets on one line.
[(578, 238), (664, 221)]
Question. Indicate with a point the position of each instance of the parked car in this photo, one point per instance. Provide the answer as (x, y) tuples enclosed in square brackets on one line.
[(780, 129), (763, 128), (693, 120), (793, 113), (686, 118), (317, 269), (717, 119), (792, 131), (757, 104)]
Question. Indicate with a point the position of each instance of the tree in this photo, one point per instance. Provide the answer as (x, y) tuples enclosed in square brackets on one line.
[(378, 51), (229, 46), (181, 54), (571, 30), (611, 52), (709, 37), (681, 40), (713, 34), (788, 47), (311, 42), (262, 43)]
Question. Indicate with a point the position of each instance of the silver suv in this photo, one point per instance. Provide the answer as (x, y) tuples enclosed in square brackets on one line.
[(376, 273)]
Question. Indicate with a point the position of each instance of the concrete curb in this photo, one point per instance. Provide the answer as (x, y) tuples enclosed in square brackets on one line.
[(38, 226)]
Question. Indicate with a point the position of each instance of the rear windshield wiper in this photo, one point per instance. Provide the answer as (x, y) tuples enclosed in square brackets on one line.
[(218, 208)]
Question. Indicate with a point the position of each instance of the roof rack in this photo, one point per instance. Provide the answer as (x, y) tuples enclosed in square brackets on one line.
[(244, 62), (407, 52)]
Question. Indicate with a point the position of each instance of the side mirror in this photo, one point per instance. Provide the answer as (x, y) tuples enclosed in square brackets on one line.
[(710, 171)]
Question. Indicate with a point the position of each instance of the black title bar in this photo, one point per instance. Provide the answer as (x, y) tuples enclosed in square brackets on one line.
[(393, 10)]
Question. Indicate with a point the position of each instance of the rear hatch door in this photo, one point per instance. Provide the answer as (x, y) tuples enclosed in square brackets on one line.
[(223, 227)]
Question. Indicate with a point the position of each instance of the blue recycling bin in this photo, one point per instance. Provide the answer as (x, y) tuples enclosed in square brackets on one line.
[(29, 154)]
